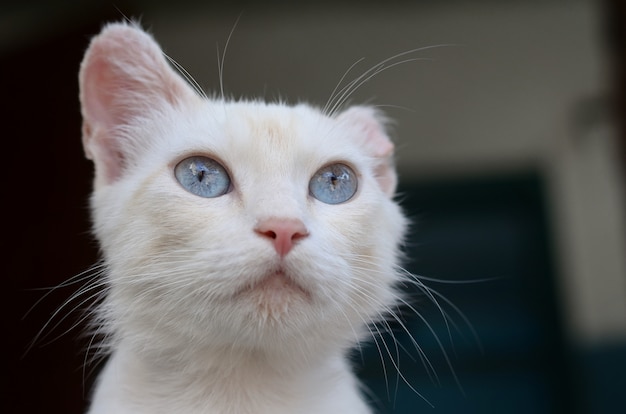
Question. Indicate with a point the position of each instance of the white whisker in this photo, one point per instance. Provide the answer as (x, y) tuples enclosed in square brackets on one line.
[(194, 84), (339, 96), (220, 61)]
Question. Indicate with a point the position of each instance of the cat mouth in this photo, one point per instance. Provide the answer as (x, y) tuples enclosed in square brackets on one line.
[(276, 286)]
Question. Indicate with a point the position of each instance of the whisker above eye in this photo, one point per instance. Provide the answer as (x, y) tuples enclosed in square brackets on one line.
[(340, 95), (194, 84)]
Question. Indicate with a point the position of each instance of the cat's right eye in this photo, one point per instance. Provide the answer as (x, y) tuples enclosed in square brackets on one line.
[(334, 184), (202, 176)]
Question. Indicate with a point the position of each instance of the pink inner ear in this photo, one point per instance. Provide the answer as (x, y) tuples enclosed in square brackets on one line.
[(97, 94), (100, 117), (376, 139), (372, 125), (124, 74)]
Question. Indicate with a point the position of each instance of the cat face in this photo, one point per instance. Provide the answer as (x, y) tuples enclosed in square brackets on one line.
[(233, 223)]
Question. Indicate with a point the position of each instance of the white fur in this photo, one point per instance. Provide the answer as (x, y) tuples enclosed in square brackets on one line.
[(187, 337)]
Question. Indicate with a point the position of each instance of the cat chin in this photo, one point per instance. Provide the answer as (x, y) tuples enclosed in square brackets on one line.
[(273, 296)]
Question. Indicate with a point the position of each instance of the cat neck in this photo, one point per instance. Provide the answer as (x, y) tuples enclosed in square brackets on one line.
[(228, 381)]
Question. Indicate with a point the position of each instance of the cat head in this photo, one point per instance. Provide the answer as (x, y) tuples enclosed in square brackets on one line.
[(233, 223)]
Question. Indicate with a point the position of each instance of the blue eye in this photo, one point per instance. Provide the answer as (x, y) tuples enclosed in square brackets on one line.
[(333, 184), (202, 176)]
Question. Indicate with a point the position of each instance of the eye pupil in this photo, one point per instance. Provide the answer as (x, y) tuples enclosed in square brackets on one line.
[(334, 184), (202, 176)]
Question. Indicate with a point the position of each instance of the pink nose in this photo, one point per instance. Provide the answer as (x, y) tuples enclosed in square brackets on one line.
[(283, 233)]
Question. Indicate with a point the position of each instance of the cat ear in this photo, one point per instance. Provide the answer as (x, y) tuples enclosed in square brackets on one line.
[(373, 136), (124, 76)]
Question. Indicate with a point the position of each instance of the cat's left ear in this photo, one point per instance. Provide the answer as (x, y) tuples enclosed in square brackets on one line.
[(373, 136)]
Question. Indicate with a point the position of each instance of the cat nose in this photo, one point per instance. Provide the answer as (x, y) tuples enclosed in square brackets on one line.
[(283, 233)]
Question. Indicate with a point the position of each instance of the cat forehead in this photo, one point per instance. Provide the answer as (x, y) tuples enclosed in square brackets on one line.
[(261, 131)]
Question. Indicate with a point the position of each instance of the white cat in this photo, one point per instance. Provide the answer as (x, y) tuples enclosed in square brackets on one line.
[(248, 245)]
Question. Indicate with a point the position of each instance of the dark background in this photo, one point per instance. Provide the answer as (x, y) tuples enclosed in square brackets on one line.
[(478, 227)]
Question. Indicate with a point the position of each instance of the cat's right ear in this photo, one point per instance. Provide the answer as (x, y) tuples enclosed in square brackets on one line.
[(124, 76), (373, 137)]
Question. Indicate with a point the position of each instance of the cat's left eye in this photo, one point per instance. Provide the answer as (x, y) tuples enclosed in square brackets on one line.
[(333, 184), (202, 176)]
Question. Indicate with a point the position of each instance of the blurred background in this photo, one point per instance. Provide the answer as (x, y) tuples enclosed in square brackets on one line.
[(510, 135)]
